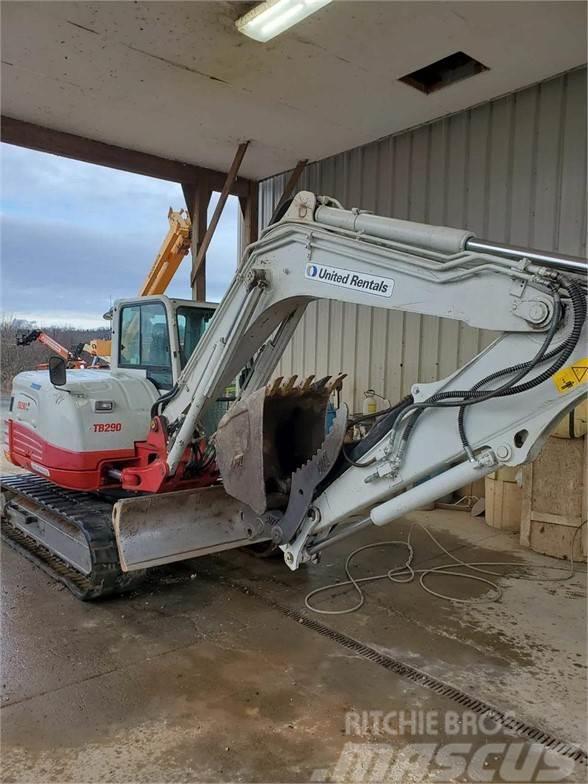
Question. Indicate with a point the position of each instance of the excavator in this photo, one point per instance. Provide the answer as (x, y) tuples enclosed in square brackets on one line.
[(125, 472)]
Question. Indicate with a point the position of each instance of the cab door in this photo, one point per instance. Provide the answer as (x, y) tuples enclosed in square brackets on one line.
[(141, 340), (192, 322)]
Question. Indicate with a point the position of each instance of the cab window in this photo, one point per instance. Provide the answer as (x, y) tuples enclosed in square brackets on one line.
[(192, 324), (144, 341)]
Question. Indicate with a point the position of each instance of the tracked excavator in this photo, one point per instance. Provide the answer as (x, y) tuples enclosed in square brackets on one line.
[(125, 474)]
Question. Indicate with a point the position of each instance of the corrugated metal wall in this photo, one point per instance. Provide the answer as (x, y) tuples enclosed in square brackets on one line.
[(512, 170)]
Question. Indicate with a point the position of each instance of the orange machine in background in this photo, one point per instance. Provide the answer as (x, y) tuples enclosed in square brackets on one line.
[(73, 358)]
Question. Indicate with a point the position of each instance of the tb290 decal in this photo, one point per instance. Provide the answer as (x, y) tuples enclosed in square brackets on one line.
[(107, 427)]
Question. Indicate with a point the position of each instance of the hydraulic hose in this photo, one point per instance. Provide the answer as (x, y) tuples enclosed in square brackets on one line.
[(476, 396), (384, 423), (163, 399), (463, 398), (521, 369)]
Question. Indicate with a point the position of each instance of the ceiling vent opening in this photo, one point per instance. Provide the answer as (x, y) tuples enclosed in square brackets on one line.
[(442, 73)]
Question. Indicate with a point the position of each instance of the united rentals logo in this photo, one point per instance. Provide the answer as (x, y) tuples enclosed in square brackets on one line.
[(369, 284)]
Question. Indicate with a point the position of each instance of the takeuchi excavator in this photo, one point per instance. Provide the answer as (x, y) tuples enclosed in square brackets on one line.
[(127, 473)]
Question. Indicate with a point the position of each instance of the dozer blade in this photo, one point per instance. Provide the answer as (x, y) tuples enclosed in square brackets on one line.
[(268, 435), (157, 529)]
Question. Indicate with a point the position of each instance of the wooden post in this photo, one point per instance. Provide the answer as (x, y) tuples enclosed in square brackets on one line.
[(225, 193), (197, 200), (250, 216), (289, 188)]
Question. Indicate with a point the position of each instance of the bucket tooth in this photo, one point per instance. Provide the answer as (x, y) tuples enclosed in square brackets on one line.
[(321, 384), (306, 383), (336, 382), (274, 388), (289, 385)]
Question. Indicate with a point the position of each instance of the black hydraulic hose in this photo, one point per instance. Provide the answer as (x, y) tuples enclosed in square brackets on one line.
[(377, 415), (579, 309), (386, 419), (473, 396), (521, 369), (355, 463), (163, 399)]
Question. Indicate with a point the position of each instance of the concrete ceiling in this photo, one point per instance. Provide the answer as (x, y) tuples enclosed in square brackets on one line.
[(177, 80)]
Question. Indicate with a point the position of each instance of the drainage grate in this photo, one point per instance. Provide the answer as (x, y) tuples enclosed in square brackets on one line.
[(509, 722)]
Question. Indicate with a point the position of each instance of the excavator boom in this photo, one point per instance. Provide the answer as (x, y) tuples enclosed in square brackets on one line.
[(25, 339)]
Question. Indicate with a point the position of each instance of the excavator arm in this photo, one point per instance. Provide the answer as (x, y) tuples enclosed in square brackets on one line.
[(287, 477), (495, 410)]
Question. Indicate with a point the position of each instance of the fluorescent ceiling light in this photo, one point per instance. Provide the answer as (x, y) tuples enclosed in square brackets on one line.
[(272, 17)]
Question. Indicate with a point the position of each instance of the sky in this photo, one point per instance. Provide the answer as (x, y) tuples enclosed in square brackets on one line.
[(74, 237)]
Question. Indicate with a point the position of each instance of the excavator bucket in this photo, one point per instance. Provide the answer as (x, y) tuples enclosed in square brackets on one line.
[(268, 435)]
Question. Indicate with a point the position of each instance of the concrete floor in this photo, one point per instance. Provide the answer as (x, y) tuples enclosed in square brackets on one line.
[(195, 679)]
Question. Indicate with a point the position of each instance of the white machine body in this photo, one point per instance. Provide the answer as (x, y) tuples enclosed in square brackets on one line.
[(76, 433), (72, 434)]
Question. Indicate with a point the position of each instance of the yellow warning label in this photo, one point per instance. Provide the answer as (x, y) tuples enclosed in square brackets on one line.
[(572, 376)]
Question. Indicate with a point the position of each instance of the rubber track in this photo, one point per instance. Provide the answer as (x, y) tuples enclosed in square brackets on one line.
[(91, 515)]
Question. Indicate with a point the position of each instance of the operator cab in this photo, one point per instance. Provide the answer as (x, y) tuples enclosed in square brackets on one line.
[(155, 336)]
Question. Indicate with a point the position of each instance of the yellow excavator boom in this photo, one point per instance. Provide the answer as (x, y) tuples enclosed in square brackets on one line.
[(174, 247)]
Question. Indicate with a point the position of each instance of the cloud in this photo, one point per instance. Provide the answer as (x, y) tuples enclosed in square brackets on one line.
[(75, 236)]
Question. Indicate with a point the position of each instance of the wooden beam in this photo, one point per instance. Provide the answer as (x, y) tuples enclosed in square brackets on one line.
[(68, 145), (289, 188), (197, 200), (189, 191), (218, 210), (250, 214)]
